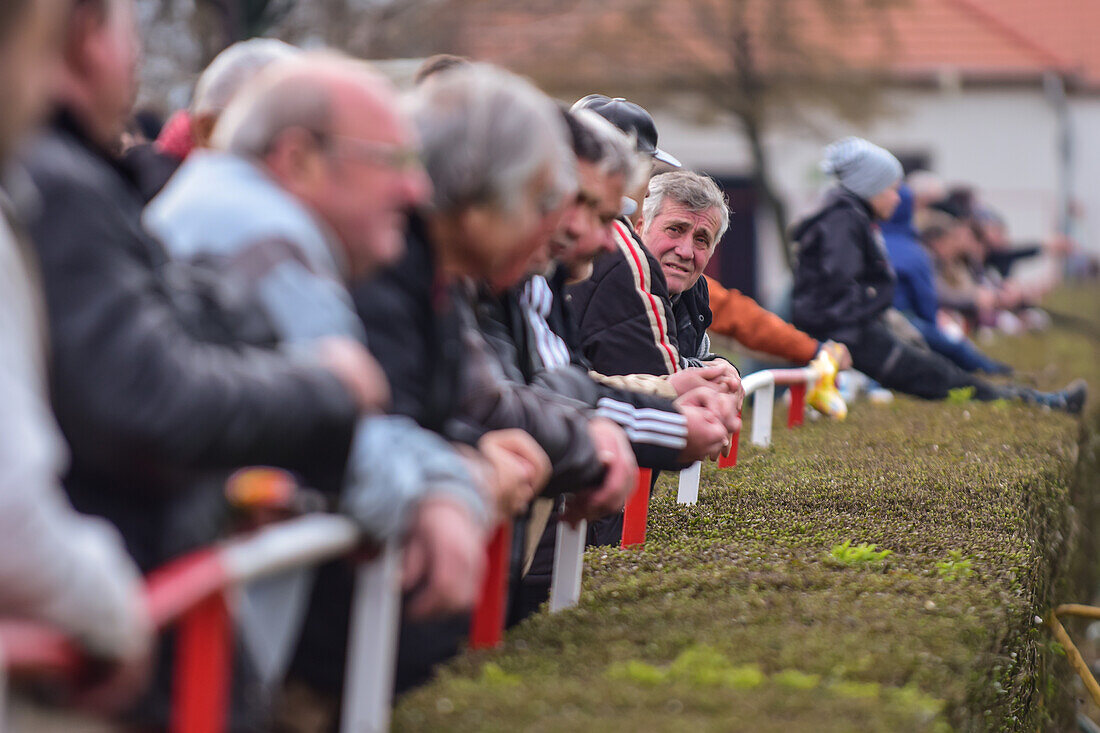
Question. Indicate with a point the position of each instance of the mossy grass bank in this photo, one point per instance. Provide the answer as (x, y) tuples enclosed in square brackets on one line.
[(887, 573)]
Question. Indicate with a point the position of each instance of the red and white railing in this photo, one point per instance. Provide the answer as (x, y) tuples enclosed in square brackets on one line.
[(761, 386), (194, 594), (569, 550)]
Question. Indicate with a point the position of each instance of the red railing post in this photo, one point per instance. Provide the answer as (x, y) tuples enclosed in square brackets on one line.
[(636, 511), (200, 692), (798, 405), (487, 624), (731, 460)]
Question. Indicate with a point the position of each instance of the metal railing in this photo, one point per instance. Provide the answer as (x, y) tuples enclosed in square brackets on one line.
[(193, 593), (569, 549)]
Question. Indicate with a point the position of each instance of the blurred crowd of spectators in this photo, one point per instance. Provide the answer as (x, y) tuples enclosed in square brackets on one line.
[(443, 308)]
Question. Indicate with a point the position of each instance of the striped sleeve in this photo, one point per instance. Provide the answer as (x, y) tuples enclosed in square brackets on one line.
[(655, 312), (645, 425)]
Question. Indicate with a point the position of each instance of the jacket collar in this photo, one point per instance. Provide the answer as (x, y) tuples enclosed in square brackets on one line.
[(65, 121)]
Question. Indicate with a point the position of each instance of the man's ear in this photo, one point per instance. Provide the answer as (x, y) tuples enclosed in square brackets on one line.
[(294, 158), (202, 128)]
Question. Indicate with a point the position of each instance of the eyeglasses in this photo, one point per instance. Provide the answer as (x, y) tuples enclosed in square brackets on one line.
[(391, 156)]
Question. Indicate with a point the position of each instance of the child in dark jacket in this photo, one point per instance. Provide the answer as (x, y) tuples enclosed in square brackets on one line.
[(844, 285)]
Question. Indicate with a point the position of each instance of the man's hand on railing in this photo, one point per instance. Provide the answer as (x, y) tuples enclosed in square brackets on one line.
[(519, 468), (615, 453), (718, 375), (444, 560), (358, 370), (707, 437), (692, 378), (725, 407), (110, 685), (115, 684)]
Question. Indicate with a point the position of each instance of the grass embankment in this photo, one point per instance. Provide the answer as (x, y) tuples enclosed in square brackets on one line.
[(746, 612)]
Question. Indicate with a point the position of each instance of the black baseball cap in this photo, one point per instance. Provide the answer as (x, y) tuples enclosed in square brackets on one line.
[(631, 119)]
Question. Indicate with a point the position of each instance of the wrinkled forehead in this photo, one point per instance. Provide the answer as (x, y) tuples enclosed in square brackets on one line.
[(707, 219)]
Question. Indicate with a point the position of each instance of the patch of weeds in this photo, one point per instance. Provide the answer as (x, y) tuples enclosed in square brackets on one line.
[(635, 671), (796, 680), (912, 698), (847, 688), (493, 676), (700, 665), (862, 554), (955, 566), (960, 395), (748, 573)]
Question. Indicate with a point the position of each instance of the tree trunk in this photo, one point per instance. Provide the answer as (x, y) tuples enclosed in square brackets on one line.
[(761, 178)]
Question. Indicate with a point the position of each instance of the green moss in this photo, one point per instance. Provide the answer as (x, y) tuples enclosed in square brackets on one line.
[(862, 554), (729, 599), (955, 566), (797, 680)]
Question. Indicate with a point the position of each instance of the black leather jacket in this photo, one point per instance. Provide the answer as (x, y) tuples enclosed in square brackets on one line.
[(148, 407), (453, 367)]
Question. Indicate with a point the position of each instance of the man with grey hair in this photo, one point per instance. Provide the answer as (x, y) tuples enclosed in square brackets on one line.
[(496, 151), (154, 163), (665, 433), (322, 168), (617, 331), (683, 200), (685, 215), (227, 74)]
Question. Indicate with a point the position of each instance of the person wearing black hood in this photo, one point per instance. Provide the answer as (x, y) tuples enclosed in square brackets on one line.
[(844, 286)]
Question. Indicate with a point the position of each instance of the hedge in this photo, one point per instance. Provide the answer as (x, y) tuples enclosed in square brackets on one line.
[(887, 573)]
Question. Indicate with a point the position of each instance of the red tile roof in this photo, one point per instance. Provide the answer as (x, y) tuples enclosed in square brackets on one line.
[(639, 40)]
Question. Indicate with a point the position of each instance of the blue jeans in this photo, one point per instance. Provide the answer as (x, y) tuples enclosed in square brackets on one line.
[(963, 353)]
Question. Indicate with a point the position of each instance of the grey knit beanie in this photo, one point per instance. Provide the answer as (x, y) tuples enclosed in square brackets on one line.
[(860, 166)]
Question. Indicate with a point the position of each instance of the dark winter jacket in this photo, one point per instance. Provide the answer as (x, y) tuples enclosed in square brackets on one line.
[(623, 311), (146, 406), (843, 279), (691, 309), (916, 289), (546, 347), (449, 368)]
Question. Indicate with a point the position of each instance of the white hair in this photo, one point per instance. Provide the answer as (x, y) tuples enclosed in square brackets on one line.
[(486, 133), (289, 94), (694, 190), (233, 68)]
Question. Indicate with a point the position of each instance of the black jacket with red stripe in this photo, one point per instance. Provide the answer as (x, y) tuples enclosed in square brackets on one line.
[(623, 312)]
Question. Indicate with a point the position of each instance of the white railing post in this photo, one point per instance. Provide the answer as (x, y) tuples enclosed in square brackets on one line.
[(565, 583), (688, 490), (762, 415), (372, 645)]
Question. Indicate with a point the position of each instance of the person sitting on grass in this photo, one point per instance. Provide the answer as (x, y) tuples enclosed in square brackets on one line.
[(844, 286), (915, 295)]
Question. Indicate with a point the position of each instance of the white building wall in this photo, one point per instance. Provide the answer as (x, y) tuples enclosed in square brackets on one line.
[(1002, 141)]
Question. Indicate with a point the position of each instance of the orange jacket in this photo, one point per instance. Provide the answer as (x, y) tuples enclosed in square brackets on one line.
[(743, 319)]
